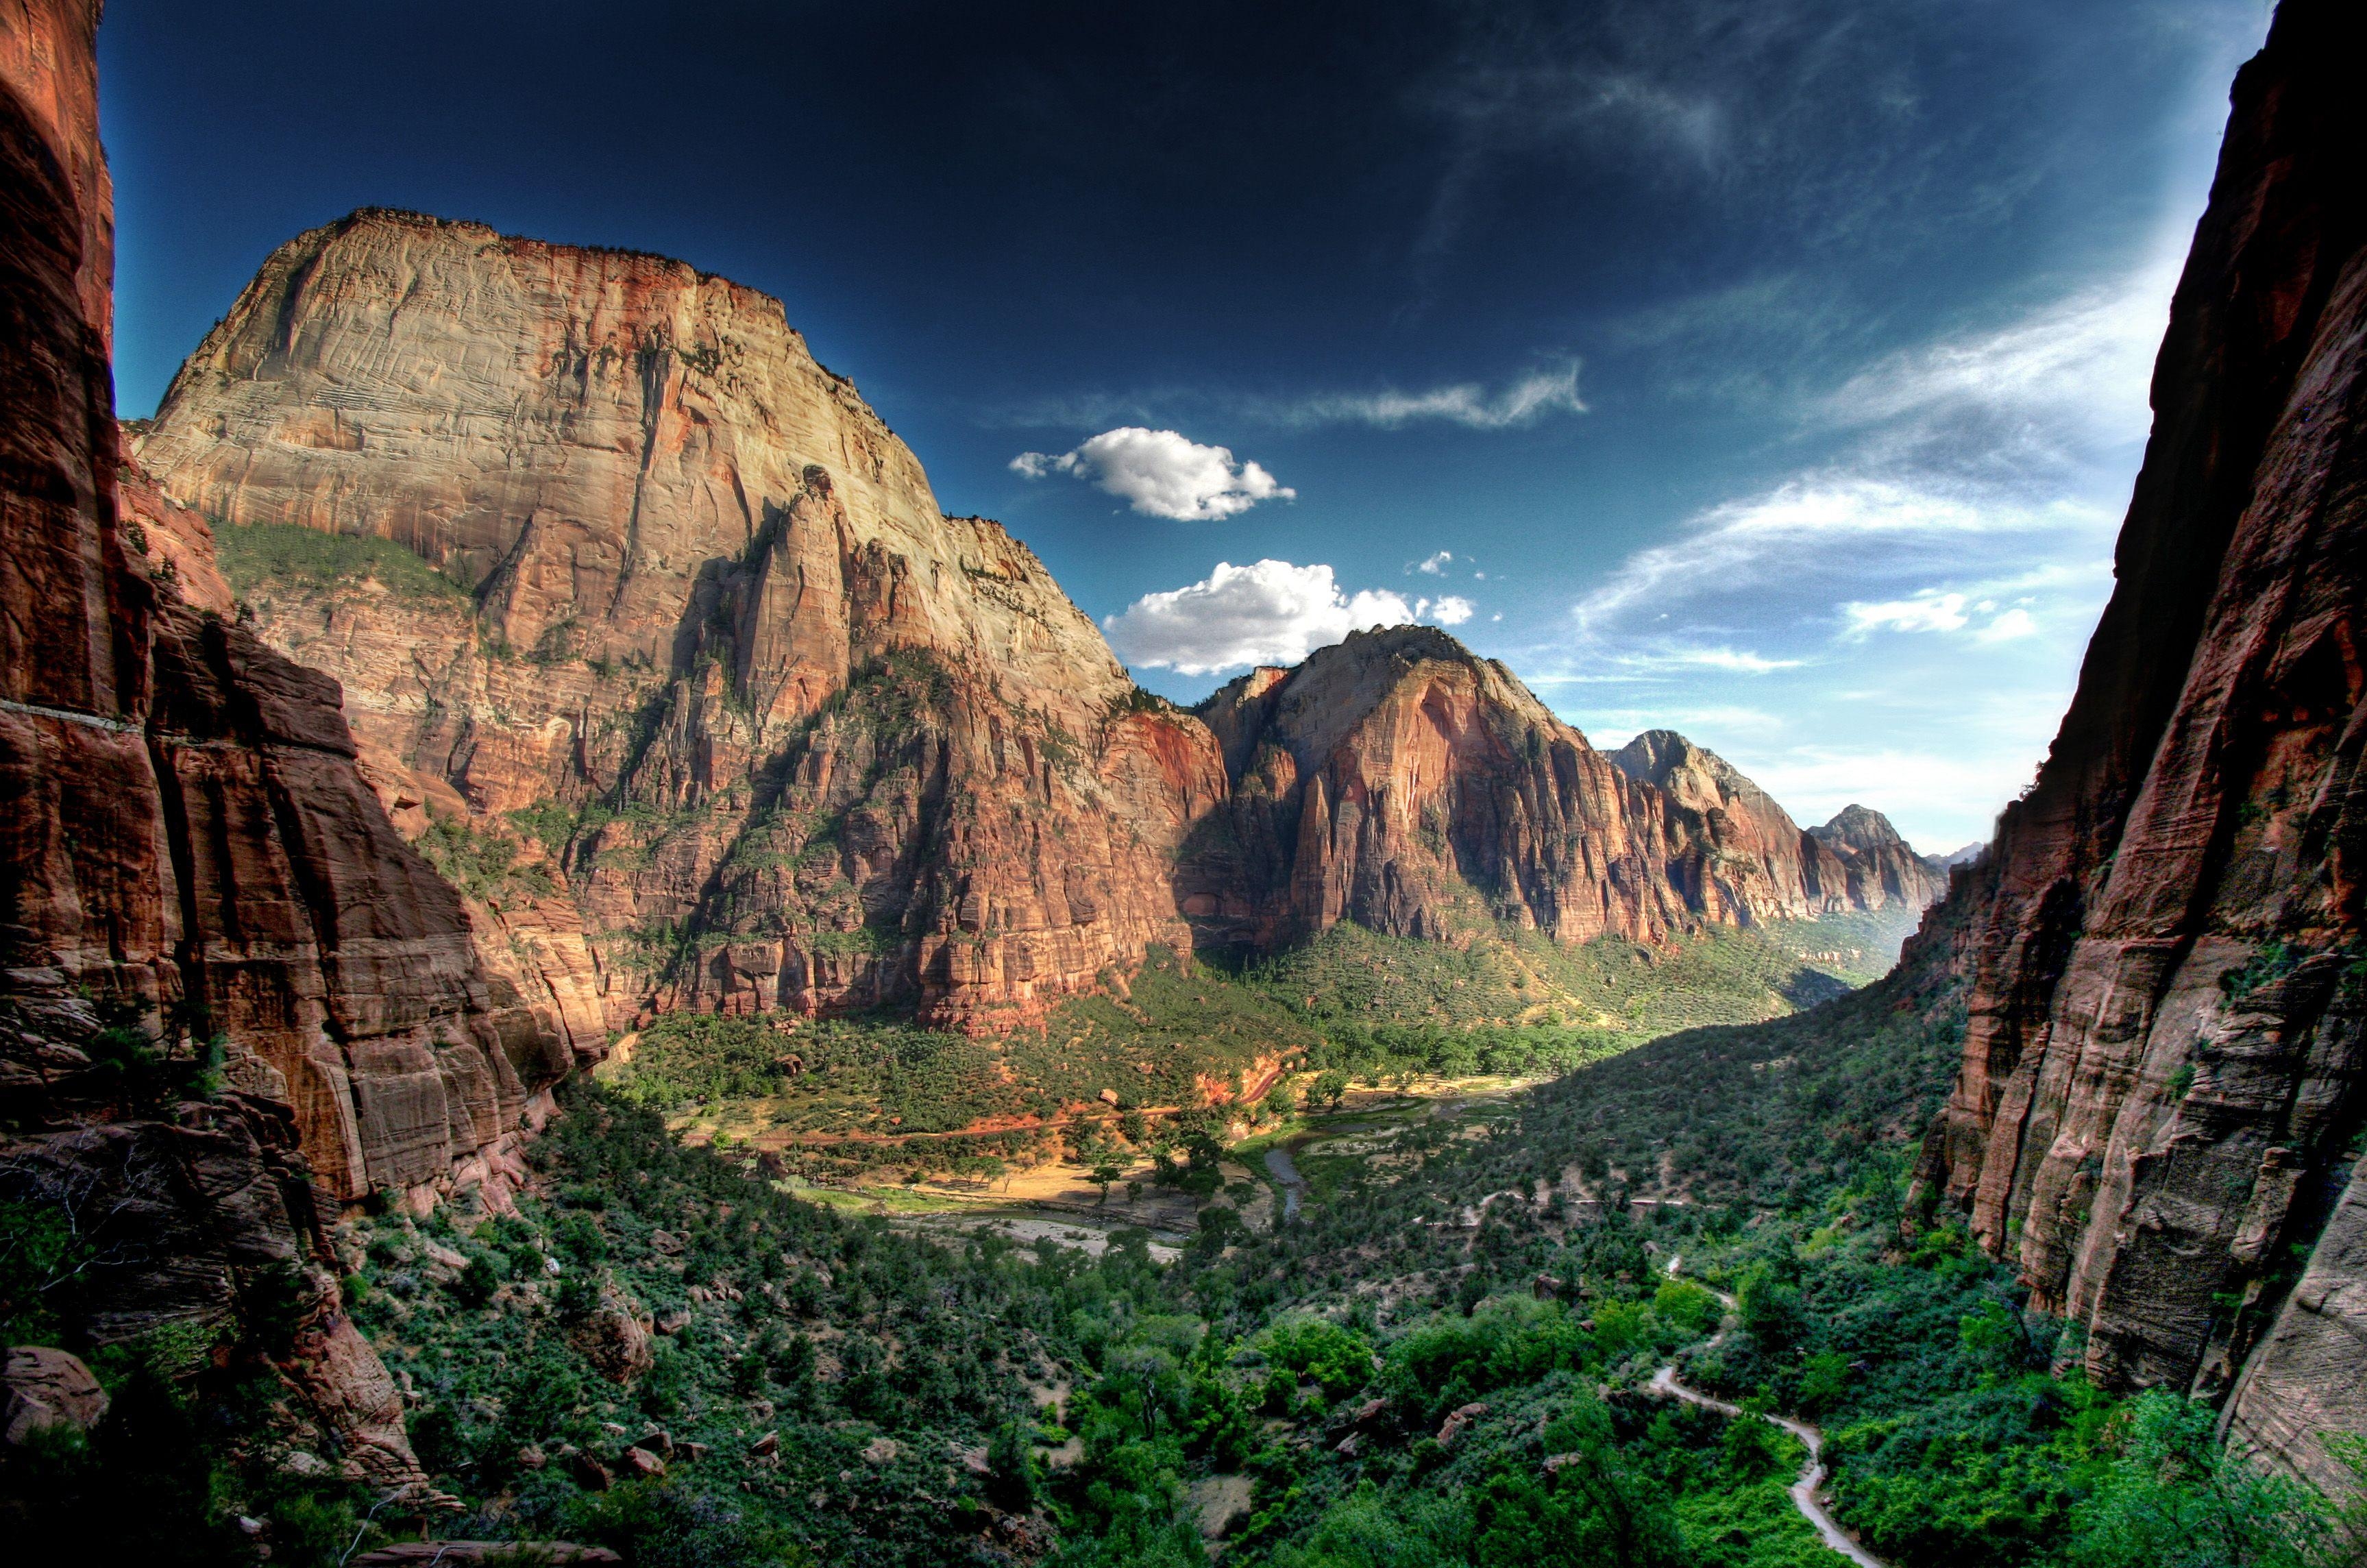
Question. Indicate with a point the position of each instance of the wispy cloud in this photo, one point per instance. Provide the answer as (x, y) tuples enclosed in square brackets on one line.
[(1957, 544), (1816, 532), (1468, 403), (1544, 392)]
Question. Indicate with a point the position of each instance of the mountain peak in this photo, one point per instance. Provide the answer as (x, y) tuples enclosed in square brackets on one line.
[(1697, 776), (1859, 828)]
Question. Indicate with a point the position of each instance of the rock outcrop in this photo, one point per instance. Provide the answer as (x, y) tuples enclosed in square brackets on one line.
[(1761, 859), (1859, 861), (793, 736), (226, 983), (2166, 1067), (1398, 780)]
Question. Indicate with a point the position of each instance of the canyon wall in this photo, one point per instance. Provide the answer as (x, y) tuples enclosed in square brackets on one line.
[(227, 985), (2165, 1074), (618, 579), (789, 736), (1397, 780)]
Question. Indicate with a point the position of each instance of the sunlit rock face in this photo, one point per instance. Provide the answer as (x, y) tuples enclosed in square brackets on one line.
[(783, 733), (864, 751), (1857, 861), (1400, 781), (2165, 1063)]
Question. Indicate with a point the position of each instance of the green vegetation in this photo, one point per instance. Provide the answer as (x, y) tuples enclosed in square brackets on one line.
[(849, 1096), (1447, 1360), (1351, 1005), (259, 560), (860, 1396), (482, 862), (1611, 991)]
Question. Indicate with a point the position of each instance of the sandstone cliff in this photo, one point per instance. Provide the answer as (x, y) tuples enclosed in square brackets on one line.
[(1861, 862), (225, 980), (1762, 858), (1400, 781), (2166, 1069), (787, 733)]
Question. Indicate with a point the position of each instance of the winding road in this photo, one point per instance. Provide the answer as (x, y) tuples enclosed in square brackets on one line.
[(1806, 1497)]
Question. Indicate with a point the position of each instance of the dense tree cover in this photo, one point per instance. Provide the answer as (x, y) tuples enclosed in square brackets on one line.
[(1447, 1360), (852, 1097)]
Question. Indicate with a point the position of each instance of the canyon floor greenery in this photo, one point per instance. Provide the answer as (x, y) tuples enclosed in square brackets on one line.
[(1444, 1359)]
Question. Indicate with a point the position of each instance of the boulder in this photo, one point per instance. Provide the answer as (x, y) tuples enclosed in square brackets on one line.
[(48, 1391), (1453, 1427)]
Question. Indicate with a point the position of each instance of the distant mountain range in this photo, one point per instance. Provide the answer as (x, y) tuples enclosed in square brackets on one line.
[(614, 572)]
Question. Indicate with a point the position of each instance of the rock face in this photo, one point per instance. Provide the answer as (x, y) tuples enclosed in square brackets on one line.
[(1397, 780), (47, 1390), (190, 857), (2165, 1065), (1860, 862), (1762, 857), (800, 738)]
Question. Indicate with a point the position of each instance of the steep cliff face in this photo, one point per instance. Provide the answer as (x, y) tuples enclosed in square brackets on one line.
[(1762, 858), (2163, 1078), (190, 858), (795, 737), (1400, 781), (1860, 861)]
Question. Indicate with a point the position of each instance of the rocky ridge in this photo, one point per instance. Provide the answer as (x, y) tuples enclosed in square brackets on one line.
[(1398, 780), (767, 729), (810, 742), (2165, 1071), (1855, 861)]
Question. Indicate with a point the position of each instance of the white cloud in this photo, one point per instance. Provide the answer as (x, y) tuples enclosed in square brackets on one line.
[(2075, 361), (1741, 660), (1932, 610), (1435, 565), (1467, 403), (1927, 611), (2014, 623), (1270, 612), (1162, 474), (1817, 527)]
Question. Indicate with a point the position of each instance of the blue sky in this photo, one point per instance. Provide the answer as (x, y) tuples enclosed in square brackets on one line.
[(1770, 371)]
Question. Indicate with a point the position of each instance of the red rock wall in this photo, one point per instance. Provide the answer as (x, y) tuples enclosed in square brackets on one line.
[(185, 844), (185, 839), (2166, 1060), (1400, 781)]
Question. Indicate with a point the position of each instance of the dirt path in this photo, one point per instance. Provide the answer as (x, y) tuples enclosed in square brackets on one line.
[(1806, 1496)]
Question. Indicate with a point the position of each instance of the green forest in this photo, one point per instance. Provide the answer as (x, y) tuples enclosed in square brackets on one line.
[(1448, 1358)]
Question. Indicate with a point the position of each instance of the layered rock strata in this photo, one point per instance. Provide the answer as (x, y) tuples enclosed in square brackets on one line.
[(1766, 863), (191, 863), (2166, 1068), (1397, 780), (797, 737)]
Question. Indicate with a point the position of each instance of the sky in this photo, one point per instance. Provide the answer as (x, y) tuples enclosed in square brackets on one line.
[(1771, 370)]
